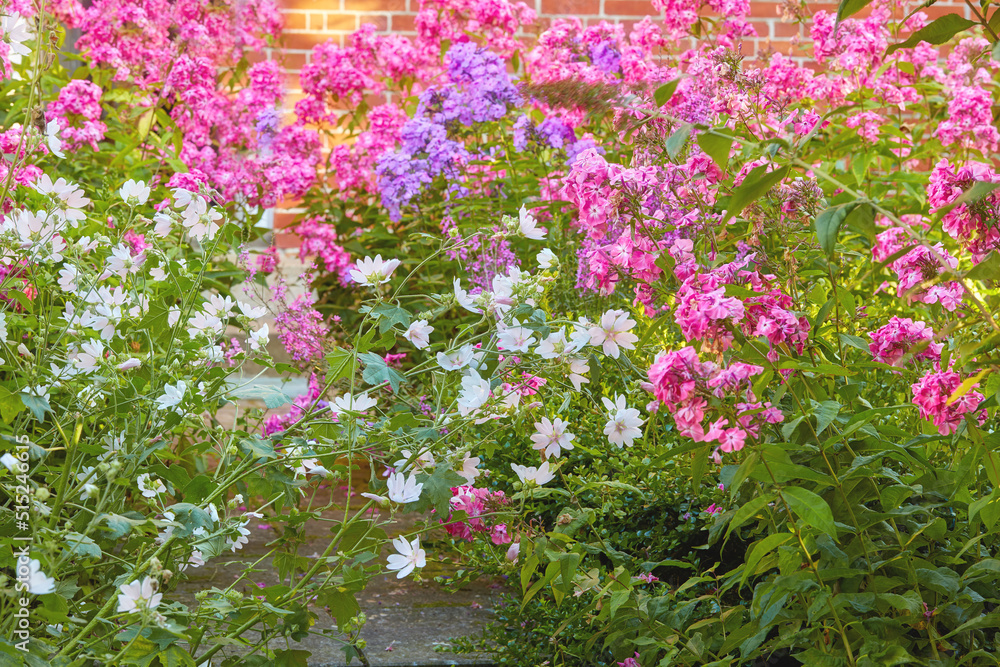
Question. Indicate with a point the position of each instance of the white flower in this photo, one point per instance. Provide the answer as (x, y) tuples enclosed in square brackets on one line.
[(134, 192), (540, 475), (578, 370), (552, 437), (67, 278), (528, 226), (423, 461), (15, 31), (121, 262), (259, 338), (515, 338), (173, 395), (52, 138), (37, 581), (349, 403), (410, 556), (463, 298), (129, 364), (67, 197), (513, 551), (613, 332), (251, 311), (475, 392), (149, 485), (200, 221), (546, 259), (92, 353), (470, 468), (624, 423), (10, 462), (456, 359), (242, 537), (403, 489), (373, 272), (419, 334), (3, 326), (86, 477), (139, 596)]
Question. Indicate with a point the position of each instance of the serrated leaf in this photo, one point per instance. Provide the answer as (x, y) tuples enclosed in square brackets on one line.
[(272, 397), (936, 32), (38, 405), (258, 447), (82, 546), (377, 372), (389, 315)]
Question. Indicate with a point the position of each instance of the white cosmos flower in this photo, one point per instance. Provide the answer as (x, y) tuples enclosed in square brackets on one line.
[(373, 272), (463, 298), (150, 486), (515, 338), (134, 192), (551, 437), (349, 403), (474, 394), (410, 556), (613, 331), (173, 395), (403, 489), (37, 581), (456, 359), (419, 334), (139, 596), (540, 475), (52, 138)]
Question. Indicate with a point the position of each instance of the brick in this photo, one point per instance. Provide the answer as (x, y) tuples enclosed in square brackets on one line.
[(296, 21), (346, 22), (571, 7), (306, 41), (314, 5), (283, 219), (293, 62), (627, 8), (375, 5), (286, 240), (380, 21), (786, 29), (402, 23)]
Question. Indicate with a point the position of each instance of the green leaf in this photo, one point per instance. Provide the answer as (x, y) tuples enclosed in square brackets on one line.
[(258, 447), (437, 489), (986, 270), (377, 372), (759, 550), (811, 508), (191, 517), (941, 580), (749, 510), (120, 525), (389, 315), (341, 605), (675, 142), (936, 32), (849, 8), (82, 546), (38, 405), (272, 397), (716, 145), (828, 225), (966, 386), (825, 413), (754, 186), (341, 364), (10, 405), (665, 92)]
